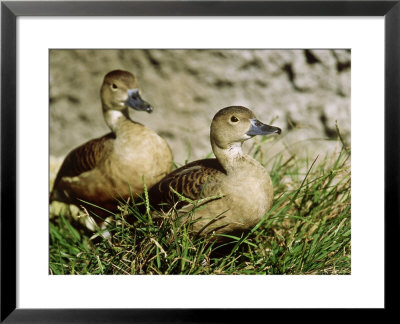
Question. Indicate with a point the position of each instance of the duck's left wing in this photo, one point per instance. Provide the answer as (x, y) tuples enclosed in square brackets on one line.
[(194, 181)]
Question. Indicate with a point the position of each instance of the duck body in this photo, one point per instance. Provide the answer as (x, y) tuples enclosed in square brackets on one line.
[(234, 191), (237, 191), (113, 166), (103, 177)]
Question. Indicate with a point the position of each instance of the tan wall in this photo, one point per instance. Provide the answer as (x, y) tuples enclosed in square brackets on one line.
[(302, 91)]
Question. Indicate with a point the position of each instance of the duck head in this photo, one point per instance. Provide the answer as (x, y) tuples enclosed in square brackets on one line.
[(120, 90), (231, 126)]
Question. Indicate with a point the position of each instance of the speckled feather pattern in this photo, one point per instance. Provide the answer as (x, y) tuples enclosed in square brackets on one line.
[(85, 157), (194, 181)]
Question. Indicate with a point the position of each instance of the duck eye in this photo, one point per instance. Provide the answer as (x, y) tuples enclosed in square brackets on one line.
[(234, 119), (114, 86)]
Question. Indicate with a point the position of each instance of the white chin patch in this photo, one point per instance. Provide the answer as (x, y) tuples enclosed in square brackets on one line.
[(113, 116), (235, 149)]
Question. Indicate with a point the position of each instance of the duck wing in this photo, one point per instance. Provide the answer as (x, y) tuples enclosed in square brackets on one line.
[(194, 181), (84, 158)]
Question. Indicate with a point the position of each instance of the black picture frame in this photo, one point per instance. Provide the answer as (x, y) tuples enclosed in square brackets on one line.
[(10, 10)]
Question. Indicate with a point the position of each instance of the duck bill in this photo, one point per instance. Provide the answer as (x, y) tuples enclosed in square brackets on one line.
[(258, 128), (136, 102)]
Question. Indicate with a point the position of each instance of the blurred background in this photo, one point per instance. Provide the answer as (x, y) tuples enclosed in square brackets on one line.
[(304, 92)]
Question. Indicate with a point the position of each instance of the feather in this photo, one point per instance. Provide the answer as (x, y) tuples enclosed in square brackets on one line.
[(190, 180), (85, 157)]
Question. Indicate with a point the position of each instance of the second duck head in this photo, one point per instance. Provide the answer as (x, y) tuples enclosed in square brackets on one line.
[(120, 90), (231, 126)]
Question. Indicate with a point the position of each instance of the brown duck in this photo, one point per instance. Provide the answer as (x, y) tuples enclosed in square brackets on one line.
[(233, 191), (112, 166)]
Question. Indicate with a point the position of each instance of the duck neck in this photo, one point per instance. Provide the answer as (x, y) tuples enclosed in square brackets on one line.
[(231, 157), (116, 119)]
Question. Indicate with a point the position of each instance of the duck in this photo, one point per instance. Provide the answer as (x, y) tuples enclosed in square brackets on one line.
[(119, 164), (230, 193)]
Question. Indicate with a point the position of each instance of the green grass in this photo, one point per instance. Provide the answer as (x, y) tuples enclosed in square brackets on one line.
[(308, 231)]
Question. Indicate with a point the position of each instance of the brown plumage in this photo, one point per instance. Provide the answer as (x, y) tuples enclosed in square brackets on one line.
[(188, 181), (85, 157), (112, 166), (239, 187)]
